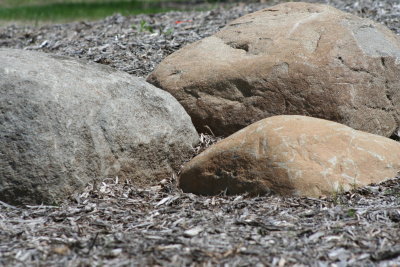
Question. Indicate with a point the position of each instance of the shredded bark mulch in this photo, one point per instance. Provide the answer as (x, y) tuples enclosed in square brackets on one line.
[(113, 223), (137, 44), (116, 224)]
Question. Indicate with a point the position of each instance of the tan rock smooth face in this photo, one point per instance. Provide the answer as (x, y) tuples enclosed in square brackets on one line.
[(293, 58), (292, 155)]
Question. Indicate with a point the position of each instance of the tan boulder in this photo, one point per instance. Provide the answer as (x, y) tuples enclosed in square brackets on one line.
[(292, 155), (293, 58)]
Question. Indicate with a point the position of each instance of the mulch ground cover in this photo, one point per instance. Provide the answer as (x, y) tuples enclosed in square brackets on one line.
[(113, 223)]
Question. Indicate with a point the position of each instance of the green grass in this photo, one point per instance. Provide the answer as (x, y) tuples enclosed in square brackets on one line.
[(72, 11), (69, 10), (13, 3)]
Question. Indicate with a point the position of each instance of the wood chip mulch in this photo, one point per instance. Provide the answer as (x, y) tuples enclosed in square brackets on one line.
[(113, 223)]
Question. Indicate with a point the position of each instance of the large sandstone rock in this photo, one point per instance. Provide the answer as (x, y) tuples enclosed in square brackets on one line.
[(293, 58), (65, 122), (292, 155)]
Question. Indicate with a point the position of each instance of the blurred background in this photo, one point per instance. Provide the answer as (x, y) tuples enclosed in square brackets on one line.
[(45, 11)]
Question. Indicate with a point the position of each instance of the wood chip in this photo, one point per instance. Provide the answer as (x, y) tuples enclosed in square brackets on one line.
[(113, 223)]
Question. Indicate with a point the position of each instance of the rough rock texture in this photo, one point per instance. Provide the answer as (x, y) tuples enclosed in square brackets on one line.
[(293, 58), (65, 122), (292, 155)]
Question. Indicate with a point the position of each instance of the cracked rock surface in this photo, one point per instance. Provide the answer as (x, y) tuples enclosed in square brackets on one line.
[(292, 58)]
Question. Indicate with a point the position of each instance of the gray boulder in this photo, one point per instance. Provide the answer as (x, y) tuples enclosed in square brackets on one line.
[(65, 122)]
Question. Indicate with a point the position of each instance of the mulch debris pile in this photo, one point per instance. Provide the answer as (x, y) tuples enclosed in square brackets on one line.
[(112, 223)]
